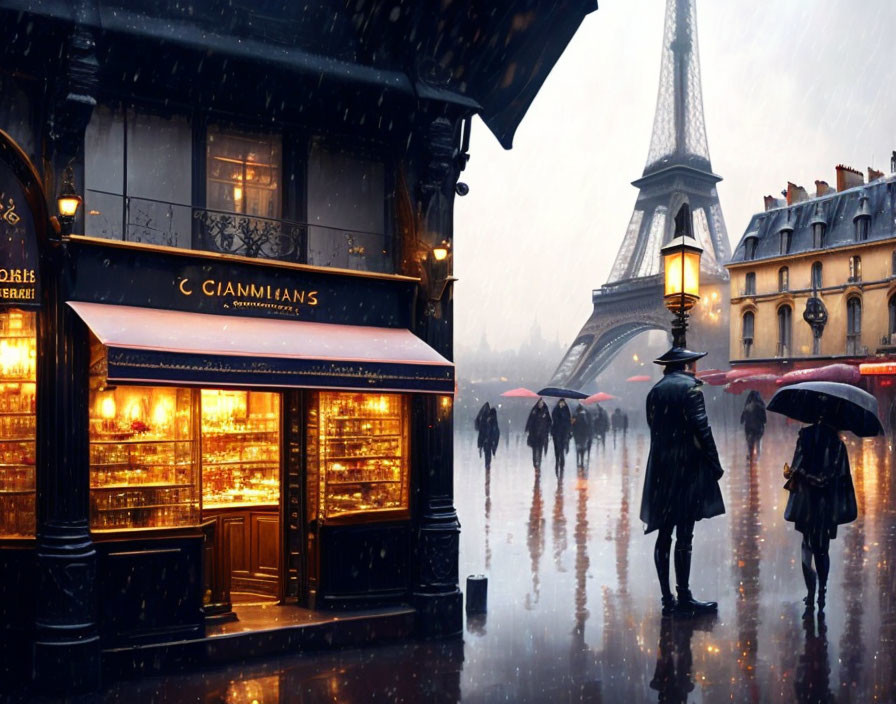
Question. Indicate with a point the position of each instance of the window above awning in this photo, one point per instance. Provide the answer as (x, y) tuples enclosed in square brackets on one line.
[(149, 345)]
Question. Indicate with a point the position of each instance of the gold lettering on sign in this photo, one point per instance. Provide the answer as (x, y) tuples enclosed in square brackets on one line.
[(17, 276), (249, 295), (9, 214)]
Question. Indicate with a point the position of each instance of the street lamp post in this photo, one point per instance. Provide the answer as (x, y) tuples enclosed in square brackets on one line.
[(681, 262)]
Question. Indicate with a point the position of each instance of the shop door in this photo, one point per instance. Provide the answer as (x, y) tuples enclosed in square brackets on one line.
[(292, 516)]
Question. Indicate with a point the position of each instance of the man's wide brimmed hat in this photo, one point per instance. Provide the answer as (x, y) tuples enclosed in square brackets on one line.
[(679, 355)]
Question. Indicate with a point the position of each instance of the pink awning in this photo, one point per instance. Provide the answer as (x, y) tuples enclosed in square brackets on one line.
[(154, 345)]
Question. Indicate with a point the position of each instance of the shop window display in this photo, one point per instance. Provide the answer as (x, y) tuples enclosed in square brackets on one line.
[(142, 458), (357, 455), (240, 448), (18, 356)]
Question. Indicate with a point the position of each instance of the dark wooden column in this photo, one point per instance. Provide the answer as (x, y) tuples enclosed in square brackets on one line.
[(66, 642), (436, 594)]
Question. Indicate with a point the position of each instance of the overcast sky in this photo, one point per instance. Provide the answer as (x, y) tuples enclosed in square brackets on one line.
[(790, 89)]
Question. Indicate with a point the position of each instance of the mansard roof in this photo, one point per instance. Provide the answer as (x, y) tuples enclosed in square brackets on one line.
[(838, 210)]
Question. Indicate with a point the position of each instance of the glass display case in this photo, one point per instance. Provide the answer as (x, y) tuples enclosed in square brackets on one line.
[(143, 464), (18, 354), (240, 448), (358, 454)]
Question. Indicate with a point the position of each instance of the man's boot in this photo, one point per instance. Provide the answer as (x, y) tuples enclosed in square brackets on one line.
[(687, 604), (808, 577), (661, 560), (823, 565)]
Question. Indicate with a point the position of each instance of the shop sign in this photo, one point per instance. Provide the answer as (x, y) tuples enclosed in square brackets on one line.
[(19, 284), (236, 295)]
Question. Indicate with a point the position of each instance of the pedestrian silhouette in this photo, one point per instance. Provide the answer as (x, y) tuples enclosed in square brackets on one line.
[(581, 433), (538, 431), (821, 498), (616, 423), (601, 425), (561, 432), (683, 470), (753, 419), (489, 436)]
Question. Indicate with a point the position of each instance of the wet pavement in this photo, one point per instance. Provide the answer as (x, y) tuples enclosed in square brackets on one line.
[(573, 604)]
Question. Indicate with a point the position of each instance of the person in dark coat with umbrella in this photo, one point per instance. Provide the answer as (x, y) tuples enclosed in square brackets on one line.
[(821, 498), (601, 425), (561, 432), (581, 433), (753, 419), (683, 470), (538, 430)]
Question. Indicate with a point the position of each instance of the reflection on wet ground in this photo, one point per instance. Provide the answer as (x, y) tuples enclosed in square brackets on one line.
[(582, 622)]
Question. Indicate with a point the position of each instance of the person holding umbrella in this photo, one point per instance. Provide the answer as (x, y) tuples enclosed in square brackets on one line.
[(561, 432), (490, 437), (681, 483), (538, 430), (582, 432), (819, 482)]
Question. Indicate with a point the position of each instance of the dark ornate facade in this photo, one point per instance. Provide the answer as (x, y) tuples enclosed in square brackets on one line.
[(269, 165)]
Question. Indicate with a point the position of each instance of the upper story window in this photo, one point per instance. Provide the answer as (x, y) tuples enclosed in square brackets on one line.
[(783, 278), (750, 244), (785, 320), (243, 173), (892, 317), (863, 227), (263, 195), (854, 326), (749, 324), (346, 208), (818, 235), (138, 177), (862, 219), (893, 265), (786, 237), (750, 284), (817, 276), (855, 268)]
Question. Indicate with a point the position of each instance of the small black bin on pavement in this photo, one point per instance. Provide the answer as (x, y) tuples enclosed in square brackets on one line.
[(477, 594)]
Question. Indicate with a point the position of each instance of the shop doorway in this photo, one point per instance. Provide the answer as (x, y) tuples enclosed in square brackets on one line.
[(241, 468)]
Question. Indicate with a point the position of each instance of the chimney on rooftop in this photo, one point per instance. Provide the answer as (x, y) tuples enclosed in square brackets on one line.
[(822, 188), (770, 203), (847, 177), (874, 174), (893, 163), (796, 194)]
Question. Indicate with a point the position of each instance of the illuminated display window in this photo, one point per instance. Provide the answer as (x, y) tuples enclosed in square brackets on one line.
[(18, 354), (240, 448), (357, 454), (143, 469)]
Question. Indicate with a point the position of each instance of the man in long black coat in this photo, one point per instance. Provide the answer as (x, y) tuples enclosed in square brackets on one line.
[(561, 432), (538, 430), (683, 470)]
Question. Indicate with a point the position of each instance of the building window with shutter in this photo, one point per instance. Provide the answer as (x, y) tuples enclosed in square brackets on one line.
[(785, 318), (783, 278), (854, 326), (750, 284), (786, 236), (750, 247), (855, 268), (817, 282), (749, 322)]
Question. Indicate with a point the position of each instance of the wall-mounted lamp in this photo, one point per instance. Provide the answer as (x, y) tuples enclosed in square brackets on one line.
[(437, 274), (68, 201)]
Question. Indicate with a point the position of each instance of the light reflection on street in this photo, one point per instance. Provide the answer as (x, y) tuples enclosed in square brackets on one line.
[(541, 643)]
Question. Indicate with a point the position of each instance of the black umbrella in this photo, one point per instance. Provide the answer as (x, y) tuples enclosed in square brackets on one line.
[(557, 392), (844, 406)]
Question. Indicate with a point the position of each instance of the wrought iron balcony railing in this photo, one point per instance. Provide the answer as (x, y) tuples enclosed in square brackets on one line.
[(177, 225)]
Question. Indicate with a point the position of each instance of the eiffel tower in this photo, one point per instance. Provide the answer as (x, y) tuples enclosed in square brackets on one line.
[(678, 171)]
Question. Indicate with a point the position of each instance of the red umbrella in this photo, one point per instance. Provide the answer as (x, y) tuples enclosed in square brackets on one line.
[(639, 377), (763, 383), (714, 379), (598, 397), (708, 372), (741, 372), (843, 373), (520, 392)]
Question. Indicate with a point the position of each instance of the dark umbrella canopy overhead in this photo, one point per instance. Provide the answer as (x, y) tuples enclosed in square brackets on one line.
[(844, 406), (557, 392)]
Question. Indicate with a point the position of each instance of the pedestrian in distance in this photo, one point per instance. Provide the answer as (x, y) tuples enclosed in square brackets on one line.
[(481, 417), (581, 433), (561, 432), (616, 423), (753, 418), (821, 498), (490, 437), (538, 431), (601, 425), (624, 424), (681, 481)]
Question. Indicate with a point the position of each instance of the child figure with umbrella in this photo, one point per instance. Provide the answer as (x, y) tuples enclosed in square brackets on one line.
[(822, 496)]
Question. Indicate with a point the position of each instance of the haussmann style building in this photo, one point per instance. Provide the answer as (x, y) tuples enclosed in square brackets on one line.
[(813, 281), (226, 323)]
